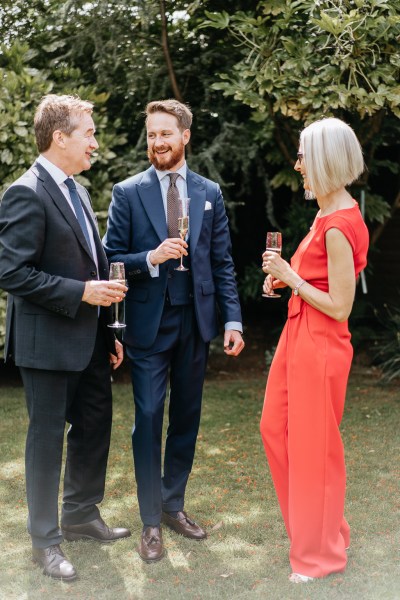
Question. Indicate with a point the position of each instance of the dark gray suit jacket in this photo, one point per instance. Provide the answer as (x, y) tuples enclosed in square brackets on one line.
[(44, 262)]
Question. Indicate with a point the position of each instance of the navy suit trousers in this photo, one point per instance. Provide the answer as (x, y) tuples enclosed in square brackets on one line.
[(179, 355)]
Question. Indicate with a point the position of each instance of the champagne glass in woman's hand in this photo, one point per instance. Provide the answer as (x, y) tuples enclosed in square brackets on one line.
[(183, 225), (117, 273), (273, 244)]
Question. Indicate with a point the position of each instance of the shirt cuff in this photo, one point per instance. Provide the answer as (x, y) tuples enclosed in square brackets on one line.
[(235, 325), (153, 269)]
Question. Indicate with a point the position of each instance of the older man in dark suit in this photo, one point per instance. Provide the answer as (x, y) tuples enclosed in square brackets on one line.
[(54, 269), (171, 314)]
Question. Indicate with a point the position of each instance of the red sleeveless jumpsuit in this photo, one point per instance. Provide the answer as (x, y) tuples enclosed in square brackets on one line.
[(303, 408)]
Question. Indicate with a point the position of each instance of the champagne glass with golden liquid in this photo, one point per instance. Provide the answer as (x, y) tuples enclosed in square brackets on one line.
[(183, 226)]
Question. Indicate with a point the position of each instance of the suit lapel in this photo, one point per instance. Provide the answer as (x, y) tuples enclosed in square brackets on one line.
[(197, 194), (101, 255), (87, 207), (150, 195), (60, 201)]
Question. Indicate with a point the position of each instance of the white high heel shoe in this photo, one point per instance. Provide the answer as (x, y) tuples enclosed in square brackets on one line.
[(298, 578)]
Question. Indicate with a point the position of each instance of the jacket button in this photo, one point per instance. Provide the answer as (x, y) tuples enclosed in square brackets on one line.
[(93, 273)]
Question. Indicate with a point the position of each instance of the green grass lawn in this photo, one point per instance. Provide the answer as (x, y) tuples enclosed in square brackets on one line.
[(230, 492)]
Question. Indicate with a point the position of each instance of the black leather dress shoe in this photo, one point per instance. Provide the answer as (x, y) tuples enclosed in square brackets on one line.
[(54, 563), (94, 530), (184, 525), (151, 546)]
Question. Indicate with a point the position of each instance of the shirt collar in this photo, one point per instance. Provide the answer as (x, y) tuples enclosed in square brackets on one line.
[(57, 174), (182, 172)]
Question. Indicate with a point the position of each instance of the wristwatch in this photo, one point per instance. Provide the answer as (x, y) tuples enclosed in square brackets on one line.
[(298, 286)]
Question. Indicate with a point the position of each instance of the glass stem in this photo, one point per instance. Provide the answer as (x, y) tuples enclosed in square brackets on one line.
[(116, 312)]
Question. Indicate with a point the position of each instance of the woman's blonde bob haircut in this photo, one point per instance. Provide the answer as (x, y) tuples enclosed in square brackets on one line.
[(332, 155)]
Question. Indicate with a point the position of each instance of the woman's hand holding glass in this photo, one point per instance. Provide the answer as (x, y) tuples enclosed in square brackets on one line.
[(279, 273), (274, 246)]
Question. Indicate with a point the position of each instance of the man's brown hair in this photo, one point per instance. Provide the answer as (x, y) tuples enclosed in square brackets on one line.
[(181, 111), (57, 112)]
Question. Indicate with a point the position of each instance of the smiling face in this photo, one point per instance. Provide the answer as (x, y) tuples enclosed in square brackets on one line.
[(80, 144), (165, 141), (72, 152)]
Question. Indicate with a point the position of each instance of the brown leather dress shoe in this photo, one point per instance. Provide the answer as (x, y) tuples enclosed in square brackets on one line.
[(94, 530), (184, 525), (54, 563), (151, 546)]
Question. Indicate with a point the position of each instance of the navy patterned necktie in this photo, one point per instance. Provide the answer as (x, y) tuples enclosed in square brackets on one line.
[(173, 206), (77, 204)]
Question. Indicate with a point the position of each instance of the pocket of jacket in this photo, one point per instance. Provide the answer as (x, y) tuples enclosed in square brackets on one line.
[(208, 287)]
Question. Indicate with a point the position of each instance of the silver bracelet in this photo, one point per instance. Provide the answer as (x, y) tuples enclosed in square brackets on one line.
[(298, 286)]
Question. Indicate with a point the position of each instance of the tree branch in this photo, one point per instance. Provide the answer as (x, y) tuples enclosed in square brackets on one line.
[(167, 55), (283, 147)]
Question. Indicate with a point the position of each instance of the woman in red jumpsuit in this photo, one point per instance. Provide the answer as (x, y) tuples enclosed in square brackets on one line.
[(307, 382)]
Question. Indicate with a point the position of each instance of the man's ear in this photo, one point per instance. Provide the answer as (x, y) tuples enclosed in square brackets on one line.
[(59, 138), (186, 136)]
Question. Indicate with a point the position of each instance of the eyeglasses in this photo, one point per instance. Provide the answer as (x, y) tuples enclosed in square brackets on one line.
[(300, 157)]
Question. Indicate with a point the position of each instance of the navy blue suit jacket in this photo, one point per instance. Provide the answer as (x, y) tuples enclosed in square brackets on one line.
[(137, 224)]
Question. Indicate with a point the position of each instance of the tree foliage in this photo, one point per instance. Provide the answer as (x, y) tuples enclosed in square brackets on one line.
[(119, 48), (303, 60), (22, 87)]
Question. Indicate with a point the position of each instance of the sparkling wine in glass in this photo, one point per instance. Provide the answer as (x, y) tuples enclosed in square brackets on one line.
[(117, 273), (183, 226), (273, 244)]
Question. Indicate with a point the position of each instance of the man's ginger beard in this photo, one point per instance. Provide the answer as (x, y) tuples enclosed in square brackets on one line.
[(160, 163)]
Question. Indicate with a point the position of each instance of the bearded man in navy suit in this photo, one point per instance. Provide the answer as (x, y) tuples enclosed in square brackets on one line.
[(53, 266), (171, 315)]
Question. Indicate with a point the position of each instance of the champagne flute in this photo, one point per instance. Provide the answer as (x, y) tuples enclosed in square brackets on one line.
[(273, 244), (117, 273), (183, 225)]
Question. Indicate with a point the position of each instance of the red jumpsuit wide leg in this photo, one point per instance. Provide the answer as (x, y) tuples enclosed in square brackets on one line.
[(303, 408)]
